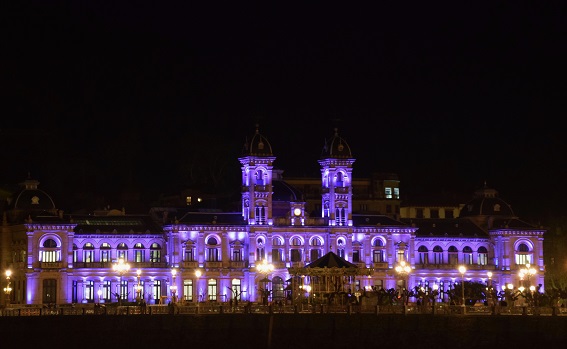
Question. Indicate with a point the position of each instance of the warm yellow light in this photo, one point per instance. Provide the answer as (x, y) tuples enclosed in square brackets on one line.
[(462, 269), (198, 273)]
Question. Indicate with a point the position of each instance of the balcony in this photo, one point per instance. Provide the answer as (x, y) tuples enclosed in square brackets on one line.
[(212, 265), (279, 265), (237, 264), (189, 264), (51, 265), (380, 265)]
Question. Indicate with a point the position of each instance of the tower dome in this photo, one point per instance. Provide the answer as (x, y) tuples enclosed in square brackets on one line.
[(29, 202), (336, 147), (257, 146), (486, 203)]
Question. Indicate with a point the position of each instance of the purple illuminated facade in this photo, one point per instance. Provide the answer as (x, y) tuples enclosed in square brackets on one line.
[(57, 258)]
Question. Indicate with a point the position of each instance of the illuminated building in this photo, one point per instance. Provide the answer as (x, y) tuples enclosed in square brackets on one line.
[(59, 258)]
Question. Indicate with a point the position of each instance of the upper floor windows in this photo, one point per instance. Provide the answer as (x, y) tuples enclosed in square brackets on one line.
[(105, 251), (524, 254), (213, 250), (49, 252), (122, 251), (155, 253)]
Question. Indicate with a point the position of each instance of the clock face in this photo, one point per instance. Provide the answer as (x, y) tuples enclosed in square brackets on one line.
[(297, 212)]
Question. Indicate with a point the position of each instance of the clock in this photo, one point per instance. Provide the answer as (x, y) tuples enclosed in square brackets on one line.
[(297, 211)]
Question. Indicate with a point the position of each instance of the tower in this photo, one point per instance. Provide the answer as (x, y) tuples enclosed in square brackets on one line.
[(257, 165), (336, 179)]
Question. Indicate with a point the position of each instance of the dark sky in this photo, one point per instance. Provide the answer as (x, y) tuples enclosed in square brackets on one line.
[(104, 96)]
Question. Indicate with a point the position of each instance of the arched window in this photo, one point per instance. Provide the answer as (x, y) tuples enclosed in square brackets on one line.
[(213, 253), (295, 251), (341, 247), (378, 251), (260, 249), (277, 249), (453, 254), (467, 255), (155, 253), (189, 254), (49, 252), (423, 255), (437, 255), (277, 289), (88, 253), (122, 251), (316, 249), (105, 251), (524, 254), (139, 255), (482, 255)]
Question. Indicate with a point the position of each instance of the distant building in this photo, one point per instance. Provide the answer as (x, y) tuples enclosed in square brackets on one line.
[(61, 258)]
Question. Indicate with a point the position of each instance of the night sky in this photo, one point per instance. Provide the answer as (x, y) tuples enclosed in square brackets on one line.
[(105, 97)]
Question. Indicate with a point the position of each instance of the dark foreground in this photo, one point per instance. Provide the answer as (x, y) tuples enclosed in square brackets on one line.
[(294, 331)]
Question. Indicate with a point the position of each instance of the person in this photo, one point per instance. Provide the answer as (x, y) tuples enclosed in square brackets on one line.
[(143, 306)]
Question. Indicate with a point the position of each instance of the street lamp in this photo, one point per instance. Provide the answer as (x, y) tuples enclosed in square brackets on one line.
[(138, 286), (463, 270), (265, 269), (528, 272), (8, 288), (173, 287), (403, 269), (198, 274), (121, 268)]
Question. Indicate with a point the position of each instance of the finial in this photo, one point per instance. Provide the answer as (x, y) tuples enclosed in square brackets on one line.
[(257, 128), (336, 131)]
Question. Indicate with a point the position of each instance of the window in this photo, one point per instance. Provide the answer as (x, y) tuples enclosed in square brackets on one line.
[(523, 254), (434, 213), (49, 252), (449, 214), (423, 255), (260, 177), (122, 251), (356, 256), (236, 255), (315, 251), (277, 252), (139, 253), (378, 253), (106, 291), (156, 288), (212, 250), (88, 293), (482, 256), (189, 255), (388, 193), (260, 214), (341, 247), (260, 250), (296, 255), (419, 213), (105, 250), (453, 254), (397, 193), (467, 255), (277, 289), (155, 253), (88, 253), (339, 181), (188, 290), (340, 216), (236, 289), (212, 289), (437, 255)]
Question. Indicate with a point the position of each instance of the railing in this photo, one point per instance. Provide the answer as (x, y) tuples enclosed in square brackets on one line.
[(211, 308)]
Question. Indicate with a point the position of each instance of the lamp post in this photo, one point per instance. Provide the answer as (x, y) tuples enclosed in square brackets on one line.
[(99, 294), (198, 275), (489, 274), (403, 270), (173, 286), (528, 272), (265, 269), (8, 288), (121, 268), (138, 286), (463, 270)]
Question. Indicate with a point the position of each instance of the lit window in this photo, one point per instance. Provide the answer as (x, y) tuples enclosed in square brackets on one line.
[(388, 192)]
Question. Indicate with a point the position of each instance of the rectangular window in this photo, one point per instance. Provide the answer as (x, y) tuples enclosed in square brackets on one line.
[(314, 254), (419, 213), (449, 214), (236, 256), (88, 256), (106, 291), (434, 213), (295, 255), (355, 256), (341, 252), (188, 290), (157, 291), (437, 257), (189, 255), (378, 256), (212, 289), (89, 291), (388, 192), (139, 256), (388, 208), (277, 255), (105, 256), (155, 256), (423, 257), (397, 193), (482, 259), (212, 255)]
